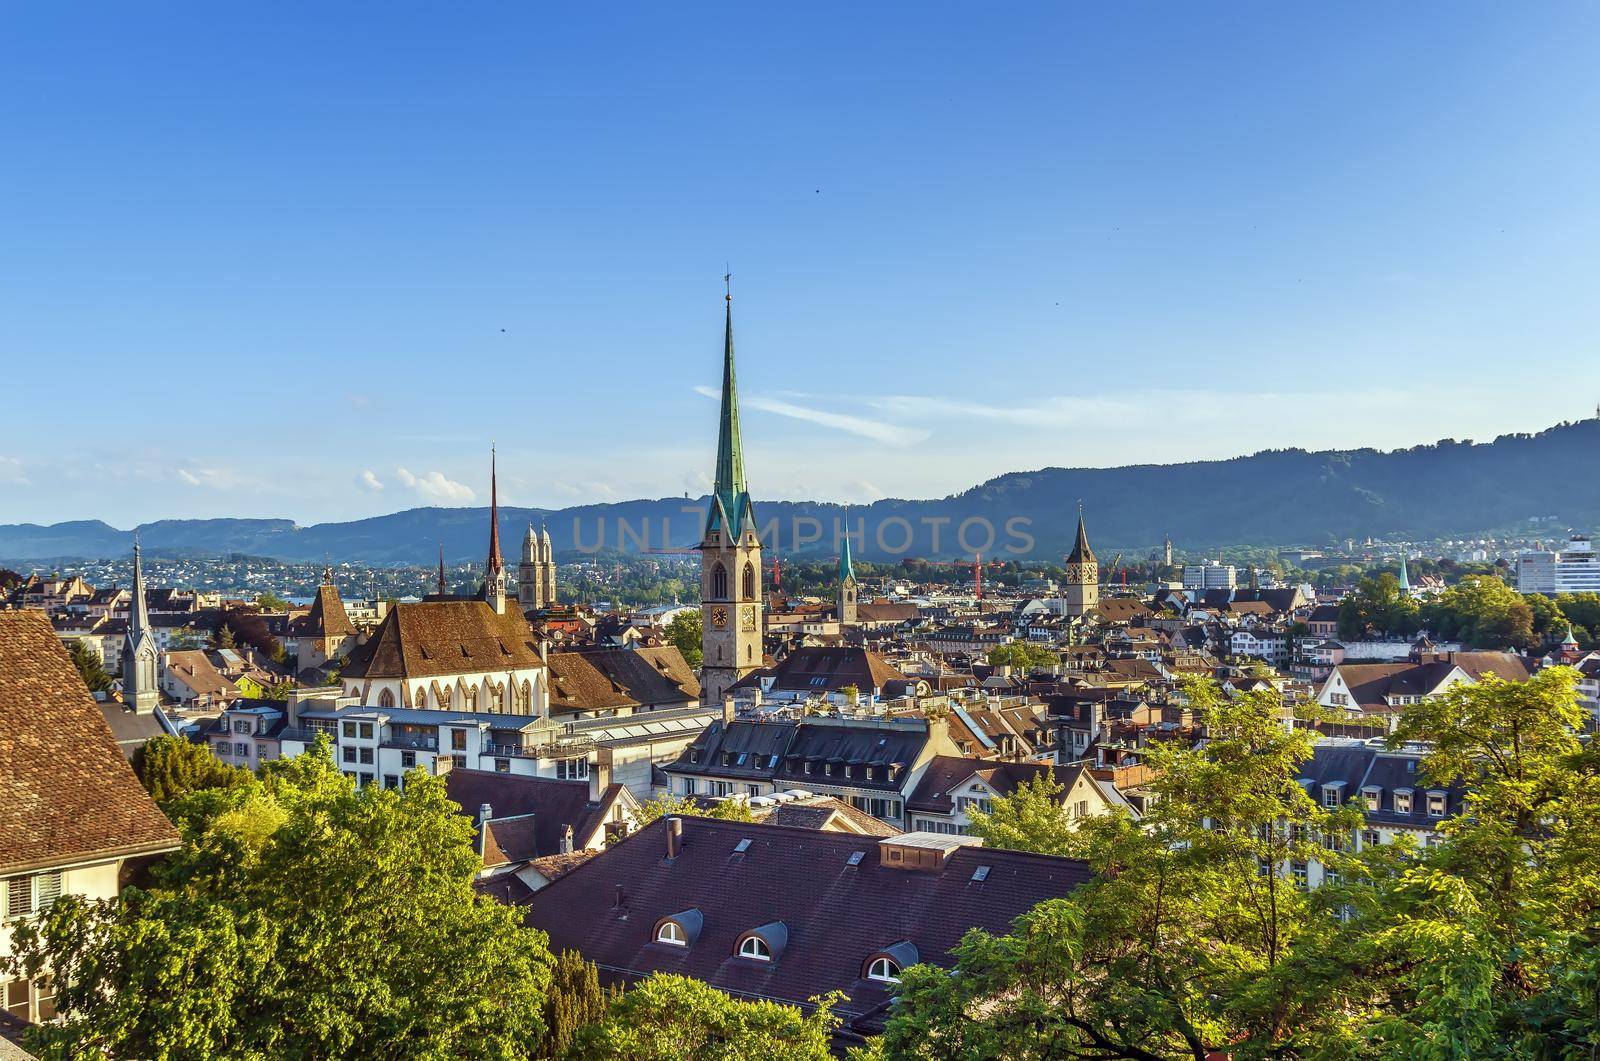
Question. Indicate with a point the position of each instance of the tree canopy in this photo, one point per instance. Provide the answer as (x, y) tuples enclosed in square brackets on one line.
[(683, 630), (303, 917), (668, 1018), (1022, 655)]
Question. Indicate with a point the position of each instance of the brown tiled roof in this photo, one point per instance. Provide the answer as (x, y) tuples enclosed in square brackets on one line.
[(327, 617), (934, 791), (837, 666), (837, 915), (197, 671), (1503, 665), (433, 638), (604, 679), (828, 812), (551, 867), (67, 793)]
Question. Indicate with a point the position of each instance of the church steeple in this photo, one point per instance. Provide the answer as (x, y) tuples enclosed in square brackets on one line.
[(494, 571), (730, 499), (847, 579), (1081, 553), (1081, 593), (1405, 578), (140, 658), (442, 583)]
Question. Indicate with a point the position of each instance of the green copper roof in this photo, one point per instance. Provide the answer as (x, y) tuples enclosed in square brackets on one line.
[(730, 500), (1405, 579), (847, 570)]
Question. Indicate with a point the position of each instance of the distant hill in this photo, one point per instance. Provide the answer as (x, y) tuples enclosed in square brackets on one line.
[(1276, 497)]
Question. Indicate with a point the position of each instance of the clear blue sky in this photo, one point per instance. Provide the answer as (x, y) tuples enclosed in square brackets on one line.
[(308, 260)]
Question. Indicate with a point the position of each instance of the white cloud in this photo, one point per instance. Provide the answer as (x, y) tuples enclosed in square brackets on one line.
[(370, 480), (214, 478), (11, 472), (877, 430), (435, 486)]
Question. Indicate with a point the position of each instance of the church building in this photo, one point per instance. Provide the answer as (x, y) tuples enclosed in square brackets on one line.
[(141, 660), (730, 554), (536, 575), (1081, 592)]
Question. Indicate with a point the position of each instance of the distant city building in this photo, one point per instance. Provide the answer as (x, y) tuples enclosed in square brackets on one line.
[(1575, 569), (1213, 574), (1080, 592)]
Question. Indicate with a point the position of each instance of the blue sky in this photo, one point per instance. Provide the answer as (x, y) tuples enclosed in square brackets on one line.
[(309, 260)]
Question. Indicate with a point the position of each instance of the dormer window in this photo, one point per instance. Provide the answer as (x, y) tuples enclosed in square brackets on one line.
[(885, 970), (680, 929), (885, 965), (1436, 804), (1402, 801), (763, 944)]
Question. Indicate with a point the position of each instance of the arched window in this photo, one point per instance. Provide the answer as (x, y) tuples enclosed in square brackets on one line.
[(755, 947), (749, 581), (386, 698), (527, 697), (671, 932), (472, 699), (719, 583), (884, 969), (444, 698)]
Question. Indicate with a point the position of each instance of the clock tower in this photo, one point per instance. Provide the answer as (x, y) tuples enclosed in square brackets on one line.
[(730, 555), (1081, 593)]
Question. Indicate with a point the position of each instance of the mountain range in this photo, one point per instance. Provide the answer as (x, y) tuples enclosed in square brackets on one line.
[(1522, 483)]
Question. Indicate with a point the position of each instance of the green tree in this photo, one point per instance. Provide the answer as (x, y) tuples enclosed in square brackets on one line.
[(1022, 655), (303, 917), (90, 667), (1378, 606), (184, 639), (172, 767), (732, 810), (1030, 819), (1179, 944), (684, 631), (1483, 612), (575, 1001), (269, 601), (224, 637), (669, 1018)]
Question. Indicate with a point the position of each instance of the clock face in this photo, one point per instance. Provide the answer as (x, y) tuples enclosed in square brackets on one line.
[(747, 617), (719, 617)]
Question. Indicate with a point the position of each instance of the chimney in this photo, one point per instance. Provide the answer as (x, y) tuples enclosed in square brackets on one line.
[(617, 900), (599, 774), (674, 837), (485, 812), (566, 840), (544, 650), (727, 709)]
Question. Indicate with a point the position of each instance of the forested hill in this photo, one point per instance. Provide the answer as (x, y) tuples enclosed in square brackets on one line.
[(1277, 497)]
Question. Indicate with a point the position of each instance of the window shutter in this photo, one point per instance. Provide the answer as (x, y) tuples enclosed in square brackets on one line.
[(49, 890), (19, 897)]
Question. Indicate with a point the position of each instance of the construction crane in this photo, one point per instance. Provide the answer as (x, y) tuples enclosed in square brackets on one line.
[(977, 571)]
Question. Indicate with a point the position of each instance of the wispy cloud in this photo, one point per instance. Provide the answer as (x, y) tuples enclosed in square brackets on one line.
[(11, 472), (370, 480), (878, 430), (211, 478), (435, 486)]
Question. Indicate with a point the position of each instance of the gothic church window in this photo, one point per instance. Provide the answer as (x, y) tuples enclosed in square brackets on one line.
[(719, 582), (749, 580)]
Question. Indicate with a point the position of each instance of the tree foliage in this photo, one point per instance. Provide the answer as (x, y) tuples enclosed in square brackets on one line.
[(1483, 612), (90, 667), (668, 1018), (1184, 945), (303, 917), (171, 767), (575, 1001), (684, 631), (1030, 819), (1378, 606), (731, 810), (1022, 655)]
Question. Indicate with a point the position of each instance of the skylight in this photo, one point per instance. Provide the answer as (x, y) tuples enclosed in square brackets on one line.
[(855, 858), (981, 873), (741, 847)]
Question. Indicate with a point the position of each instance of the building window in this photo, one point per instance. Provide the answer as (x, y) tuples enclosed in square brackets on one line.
[(1436, 804), (350, 731), (32, 894), (1371, 838), (366, 730), (755, 947), (502, 766), (572, 769), (391, 781), (1298, 871), (721, 788), (1402, 803), (719, 583), (386, 698), (408, 760), (458, 737), (242, 750), (349, 754), (364, 779), (671, 932), (366, 756), (223, 748), (1330, 797), (688, 786), (752, 790), (884, 970), (749, 581)]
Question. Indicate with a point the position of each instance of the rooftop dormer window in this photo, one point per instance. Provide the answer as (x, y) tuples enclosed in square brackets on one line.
[(885, 965), (763, 944), (680, 929)]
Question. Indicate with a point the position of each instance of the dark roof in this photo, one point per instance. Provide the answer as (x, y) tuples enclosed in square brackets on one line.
[(129, 728), (552, 804), (432, 638), (935, 791), (67, 793), (836, 915), (327, 617), (823, 669)]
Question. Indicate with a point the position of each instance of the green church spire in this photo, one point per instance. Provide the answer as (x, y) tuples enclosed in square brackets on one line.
[(847, 570), (1405, 579), (730, 500)]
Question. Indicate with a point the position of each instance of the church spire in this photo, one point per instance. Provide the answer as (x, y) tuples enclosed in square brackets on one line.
[(1405, 578), (847, 570), (1081, 553), (729, 494), (140, 658), (138, 611), (496, 564), (442, 582)]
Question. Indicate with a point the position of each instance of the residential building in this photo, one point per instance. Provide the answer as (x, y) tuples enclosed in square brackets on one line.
[(1575, 569), (1213, 574), (951, 786), (780, 914), (74, 819)]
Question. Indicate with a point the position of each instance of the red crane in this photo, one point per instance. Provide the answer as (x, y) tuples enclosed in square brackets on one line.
[(977, 570)]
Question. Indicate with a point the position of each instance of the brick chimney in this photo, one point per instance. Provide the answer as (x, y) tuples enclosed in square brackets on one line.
[(600, 774), (727, 710)]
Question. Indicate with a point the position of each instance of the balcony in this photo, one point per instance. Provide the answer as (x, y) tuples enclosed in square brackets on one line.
[(412, 742), (491, 748)]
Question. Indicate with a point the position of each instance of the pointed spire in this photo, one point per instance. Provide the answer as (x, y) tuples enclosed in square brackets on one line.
[(138, 611), (729, 492), (496, 563), (442, 583), (847, 570), (1405, 578), (1081, 553)]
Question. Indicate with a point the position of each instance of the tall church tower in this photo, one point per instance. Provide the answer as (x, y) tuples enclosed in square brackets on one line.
[(730, 554), (547, 568), (140, 658), (494, 572), (536, 575), (1081, 594), (847, 585)]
